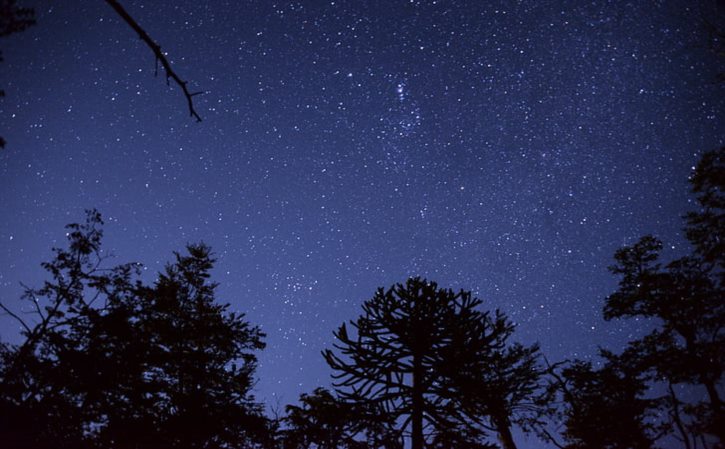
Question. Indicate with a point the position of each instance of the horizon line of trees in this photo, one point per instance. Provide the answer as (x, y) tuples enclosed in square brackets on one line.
[(112, 362)]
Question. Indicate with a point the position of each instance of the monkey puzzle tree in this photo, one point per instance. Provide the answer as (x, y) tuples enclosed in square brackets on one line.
[(401, 354), (495, 381)]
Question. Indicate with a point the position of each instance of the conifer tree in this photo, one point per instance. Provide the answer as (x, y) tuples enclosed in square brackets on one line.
[(403, 353), (498, 382)]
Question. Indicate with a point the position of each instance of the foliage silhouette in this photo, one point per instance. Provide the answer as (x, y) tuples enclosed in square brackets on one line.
[(685, 296), (712, 17), (114, 363), (325, 421), (497, 382), (604, 408), (108, 361), (403, 358)]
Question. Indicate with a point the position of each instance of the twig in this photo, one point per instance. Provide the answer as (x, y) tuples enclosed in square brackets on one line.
[(20, 320), (156, 48), (552, 440)]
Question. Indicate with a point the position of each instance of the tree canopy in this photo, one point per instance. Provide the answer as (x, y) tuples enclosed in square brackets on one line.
[(685, 296), (604, 407), (111, 362), (325, 421), (408, 351)]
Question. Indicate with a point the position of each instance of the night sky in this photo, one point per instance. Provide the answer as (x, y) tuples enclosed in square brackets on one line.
[(508, 148)]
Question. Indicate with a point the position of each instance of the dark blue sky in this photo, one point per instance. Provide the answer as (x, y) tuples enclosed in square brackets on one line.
[(508, 148)]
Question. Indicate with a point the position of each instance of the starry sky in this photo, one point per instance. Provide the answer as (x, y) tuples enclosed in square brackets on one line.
[(504, 147)]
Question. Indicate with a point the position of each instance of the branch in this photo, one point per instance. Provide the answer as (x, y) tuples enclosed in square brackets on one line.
[(31, 297), (552, 440), (156, 48), (20, 320)]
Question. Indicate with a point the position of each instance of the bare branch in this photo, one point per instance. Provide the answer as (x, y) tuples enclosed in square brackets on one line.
[(156, 48), (552, 440), (14, 315)]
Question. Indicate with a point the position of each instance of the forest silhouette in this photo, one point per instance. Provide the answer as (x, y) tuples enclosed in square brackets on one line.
[(109, 361)]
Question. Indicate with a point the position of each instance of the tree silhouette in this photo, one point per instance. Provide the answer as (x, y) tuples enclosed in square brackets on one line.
[(712, 17), (320, 420), (325, 421), (705, 228), (204, 359), (461, 437), (604, 408), (406, 343), (495, 380), (685, 296), (113, 363), (43, 377)]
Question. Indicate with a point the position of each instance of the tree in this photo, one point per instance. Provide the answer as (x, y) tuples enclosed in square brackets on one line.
[(325, 421), (705, 228), (685, 296), (495, 380), (406, 343), (604, 408), (712, 17), (42, 379), (114, 363), (320, 420), (203, 357)]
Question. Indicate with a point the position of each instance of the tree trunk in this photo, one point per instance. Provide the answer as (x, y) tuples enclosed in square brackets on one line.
[(716, 408), (715, 402), (709, 384), (416, 414), (676, 417), (504, 431)]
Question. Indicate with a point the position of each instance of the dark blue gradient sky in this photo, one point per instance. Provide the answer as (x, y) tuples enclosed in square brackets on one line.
[(508, 148)]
